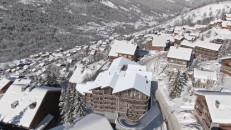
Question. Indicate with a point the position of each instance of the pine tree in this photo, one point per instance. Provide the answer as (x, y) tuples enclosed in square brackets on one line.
[(177, 83), (72, 106)]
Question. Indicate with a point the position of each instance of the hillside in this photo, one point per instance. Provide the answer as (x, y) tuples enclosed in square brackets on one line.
[(201, 15), (32, 26)]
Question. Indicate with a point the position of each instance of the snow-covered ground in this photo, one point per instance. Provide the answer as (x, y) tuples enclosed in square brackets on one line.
[(217, 33), (210, 11)]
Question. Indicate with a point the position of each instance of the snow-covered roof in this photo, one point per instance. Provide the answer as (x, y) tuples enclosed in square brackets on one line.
[(180, 53), (205, 75), (22, 115), (123, 74), (22, 81), (89, 122), (189, 37), (77, 75), (123, 47), (226, 23), (161, 40), (208, 45), (187, 43), (223, 112), (225, 58), (92, 122), (228, 15), (178, 37), (228, 19), (4, 82), (196, 34)]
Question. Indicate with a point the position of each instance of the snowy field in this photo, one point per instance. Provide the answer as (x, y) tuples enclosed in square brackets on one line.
[(212, 10)]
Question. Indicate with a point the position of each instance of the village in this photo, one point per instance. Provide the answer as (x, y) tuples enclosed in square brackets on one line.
[(176, 78)]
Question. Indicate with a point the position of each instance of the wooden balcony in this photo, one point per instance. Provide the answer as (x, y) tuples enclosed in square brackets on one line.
[(205, 125), (226, 69), (199, 112)]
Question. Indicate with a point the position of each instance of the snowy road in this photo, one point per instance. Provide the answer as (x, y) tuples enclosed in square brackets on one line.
[(169, 115)]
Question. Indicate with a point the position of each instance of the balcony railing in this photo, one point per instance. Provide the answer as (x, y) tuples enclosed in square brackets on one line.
[(205, 125)]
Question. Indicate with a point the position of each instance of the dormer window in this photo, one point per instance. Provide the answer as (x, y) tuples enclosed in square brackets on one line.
[(32, 105), (14, 104)]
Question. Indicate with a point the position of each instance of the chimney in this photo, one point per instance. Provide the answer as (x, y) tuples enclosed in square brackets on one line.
[(217, 104)]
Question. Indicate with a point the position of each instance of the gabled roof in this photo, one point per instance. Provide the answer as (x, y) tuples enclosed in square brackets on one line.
[(123, 47), (208, 45), (226, 23), (206, 75), (161, 40), (228, 15), (180, 53), (134, 76), (222, 113), (22, 115)]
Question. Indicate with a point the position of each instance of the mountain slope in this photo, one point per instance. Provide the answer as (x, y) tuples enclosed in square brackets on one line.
[(203, 15), (31, 26)]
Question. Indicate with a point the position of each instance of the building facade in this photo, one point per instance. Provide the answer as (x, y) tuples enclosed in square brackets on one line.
[(124, 89), (179, 56), (226, 65), (207, 50), (206, 53), (123, 49), (207, 109), (129, 103)]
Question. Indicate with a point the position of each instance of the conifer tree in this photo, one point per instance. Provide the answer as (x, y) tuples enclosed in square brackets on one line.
[(177, 83)]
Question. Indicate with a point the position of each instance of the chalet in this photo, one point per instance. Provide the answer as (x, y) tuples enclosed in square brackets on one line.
[(179, 56), (89, 122), (178, 30), (227, 17), (207, 50), (178, 39), (24, 107), (216, 23), (226, 25), (169, 30), (123, 49), (123, 89), (159, 42), (204, 77), (5, 84), (212, 110), (226, 65), (190, 37)]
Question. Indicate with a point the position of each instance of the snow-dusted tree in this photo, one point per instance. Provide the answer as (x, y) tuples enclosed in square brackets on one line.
[(195, 63), (197, 83), (176, 84), (72, 106), (226, 48), (209, 83)]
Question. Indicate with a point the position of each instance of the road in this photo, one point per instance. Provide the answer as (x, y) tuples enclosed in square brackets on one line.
[(167, 112), (151, 120)]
